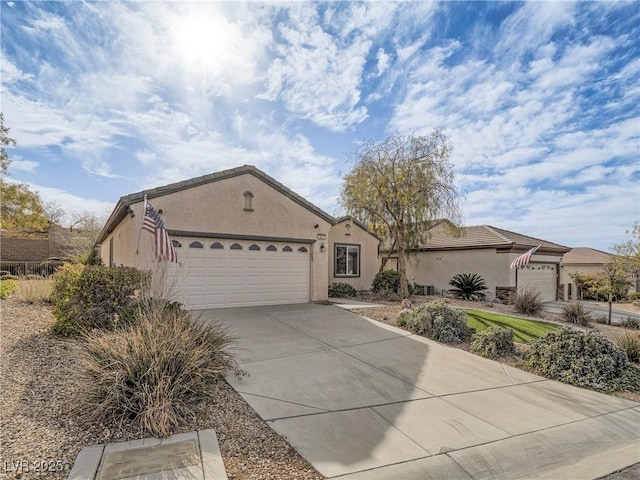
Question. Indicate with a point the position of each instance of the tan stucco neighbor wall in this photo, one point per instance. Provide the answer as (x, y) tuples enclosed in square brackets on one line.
[(438, 267), (354, 235), (219, 207)]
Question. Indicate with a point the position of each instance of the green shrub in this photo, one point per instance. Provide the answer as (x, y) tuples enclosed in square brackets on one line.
[(576, 313), (468, 286), (629, 343), (528, 302), (494, 342), (633, 296), (631, 322), (438, 321), (584, 359), (157, 371), (386, 281), (87, 296), (341, 289), (415, 289), (7, 286)]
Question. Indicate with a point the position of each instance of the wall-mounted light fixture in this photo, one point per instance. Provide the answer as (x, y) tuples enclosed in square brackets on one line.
[(322, 249), (316, 226), (160, 211)]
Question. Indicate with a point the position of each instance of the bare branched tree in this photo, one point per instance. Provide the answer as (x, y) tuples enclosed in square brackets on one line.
[(399, 188)]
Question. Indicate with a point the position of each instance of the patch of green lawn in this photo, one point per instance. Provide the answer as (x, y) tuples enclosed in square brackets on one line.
[(523, 330)]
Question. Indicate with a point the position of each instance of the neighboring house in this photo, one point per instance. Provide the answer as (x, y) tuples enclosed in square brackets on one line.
[(488, 251), (242, 239), (352, 249), (33, 246), (585, 260)]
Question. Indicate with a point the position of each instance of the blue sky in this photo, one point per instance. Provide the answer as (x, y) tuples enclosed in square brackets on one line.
[(540, 100)]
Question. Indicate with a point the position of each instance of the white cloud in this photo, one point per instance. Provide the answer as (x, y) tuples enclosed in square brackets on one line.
[(383, 62), (20, 165), (315, 74)]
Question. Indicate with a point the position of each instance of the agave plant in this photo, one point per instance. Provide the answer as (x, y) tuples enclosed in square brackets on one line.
[(468, 286)]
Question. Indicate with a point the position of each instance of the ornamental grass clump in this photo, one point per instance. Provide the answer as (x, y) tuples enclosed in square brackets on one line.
[(584, 359), (629, 343), (35, 290), (438, 321), (528, 302), (154, 373), (494, 342), (576, 313)]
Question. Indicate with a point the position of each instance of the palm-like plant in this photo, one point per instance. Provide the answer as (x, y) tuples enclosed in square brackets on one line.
[(468, 286)]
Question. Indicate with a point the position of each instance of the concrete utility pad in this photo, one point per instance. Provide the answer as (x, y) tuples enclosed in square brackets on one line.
[(370, 401), (194, 455)]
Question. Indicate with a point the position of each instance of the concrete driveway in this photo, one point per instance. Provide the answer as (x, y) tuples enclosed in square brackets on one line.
[(362, 400)]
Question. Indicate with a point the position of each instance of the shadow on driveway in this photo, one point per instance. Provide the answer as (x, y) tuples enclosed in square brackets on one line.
[(359, 399)]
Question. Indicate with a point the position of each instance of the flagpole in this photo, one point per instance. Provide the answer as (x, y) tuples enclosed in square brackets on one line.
[(144, 211)]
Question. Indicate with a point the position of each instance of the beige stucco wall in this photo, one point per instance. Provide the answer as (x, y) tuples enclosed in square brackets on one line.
[(570, 269), (438, 267), (565, 277), (355, 235), (218, 207)]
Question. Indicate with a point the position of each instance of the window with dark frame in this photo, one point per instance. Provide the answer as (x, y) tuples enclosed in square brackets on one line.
[(346, 261)]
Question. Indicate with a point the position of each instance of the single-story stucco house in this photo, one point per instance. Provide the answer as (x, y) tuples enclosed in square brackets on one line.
[(585, 260), (487, 251), (242, 239)]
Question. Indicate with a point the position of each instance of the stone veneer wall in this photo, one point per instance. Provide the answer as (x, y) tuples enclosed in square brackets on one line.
[(506, 294)]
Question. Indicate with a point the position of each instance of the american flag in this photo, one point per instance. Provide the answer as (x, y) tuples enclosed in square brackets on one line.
[(162, 243), (523, 259)]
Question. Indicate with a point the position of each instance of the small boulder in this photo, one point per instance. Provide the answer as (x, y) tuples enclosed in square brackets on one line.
[(406, 304)]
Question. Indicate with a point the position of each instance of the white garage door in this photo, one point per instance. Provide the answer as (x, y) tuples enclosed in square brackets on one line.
[(541, 276), (218, 273)]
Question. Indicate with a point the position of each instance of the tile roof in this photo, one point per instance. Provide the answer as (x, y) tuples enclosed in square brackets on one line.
[(587, 256), (483, 236)]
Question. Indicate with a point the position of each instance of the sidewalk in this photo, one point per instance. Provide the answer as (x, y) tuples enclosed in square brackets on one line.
[(193, 456)]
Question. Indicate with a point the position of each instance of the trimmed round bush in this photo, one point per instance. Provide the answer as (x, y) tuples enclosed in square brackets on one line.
[(156, 372), (584, 359), (494, 342), (438, 321), (341, 289), (386, 281)]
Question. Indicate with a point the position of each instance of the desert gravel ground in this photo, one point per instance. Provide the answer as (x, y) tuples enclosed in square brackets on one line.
[(42, 431)]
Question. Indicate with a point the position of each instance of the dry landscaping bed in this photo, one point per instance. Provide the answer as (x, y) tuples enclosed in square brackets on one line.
[(40, 421)]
